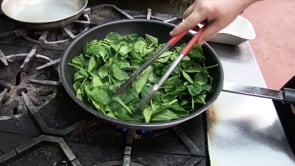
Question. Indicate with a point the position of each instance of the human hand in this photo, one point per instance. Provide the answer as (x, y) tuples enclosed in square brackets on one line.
[(215, 14)]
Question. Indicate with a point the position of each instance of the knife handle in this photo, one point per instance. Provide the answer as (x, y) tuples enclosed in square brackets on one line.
[(289, 96)]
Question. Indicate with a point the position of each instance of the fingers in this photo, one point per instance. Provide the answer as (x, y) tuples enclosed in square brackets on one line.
[(208, 33), (212, 28), (188, 11), (189, 22)]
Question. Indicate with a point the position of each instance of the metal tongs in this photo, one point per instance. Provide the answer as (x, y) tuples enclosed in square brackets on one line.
[(168, 45)]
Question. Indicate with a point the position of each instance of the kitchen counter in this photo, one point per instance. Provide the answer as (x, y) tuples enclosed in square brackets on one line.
[(245, 130)]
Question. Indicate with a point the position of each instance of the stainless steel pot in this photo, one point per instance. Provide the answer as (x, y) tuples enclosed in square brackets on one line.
[(43, 14)]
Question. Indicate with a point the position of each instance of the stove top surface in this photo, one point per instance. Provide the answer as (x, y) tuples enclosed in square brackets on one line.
[(41, 125)]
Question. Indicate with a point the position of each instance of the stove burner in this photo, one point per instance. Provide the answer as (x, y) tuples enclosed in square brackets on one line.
[(36, 86), (48, 149)]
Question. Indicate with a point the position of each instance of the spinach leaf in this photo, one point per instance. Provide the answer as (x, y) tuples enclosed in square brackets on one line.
[(151, 40), (142, 80), (99, 95), (117, 73)]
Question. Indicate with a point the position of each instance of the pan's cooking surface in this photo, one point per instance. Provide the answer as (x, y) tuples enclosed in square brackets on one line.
[(42, 12)]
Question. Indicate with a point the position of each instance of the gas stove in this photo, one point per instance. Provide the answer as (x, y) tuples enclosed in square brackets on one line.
[(41, 125)]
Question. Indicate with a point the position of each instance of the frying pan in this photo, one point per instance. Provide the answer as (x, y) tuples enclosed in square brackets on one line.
[(124, 27), (43, 14), (161, 31)]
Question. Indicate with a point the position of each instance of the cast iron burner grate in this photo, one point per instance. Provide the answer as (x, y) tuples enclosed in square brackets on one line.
[(41, 125)]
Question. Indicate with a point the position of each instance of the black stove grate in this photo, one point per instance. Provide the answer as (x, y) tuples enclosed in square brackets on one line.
[(54, 130)]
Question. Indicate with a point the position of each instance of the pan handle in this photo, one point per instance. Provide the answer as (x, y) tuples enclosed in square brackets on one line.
[(286, 95)]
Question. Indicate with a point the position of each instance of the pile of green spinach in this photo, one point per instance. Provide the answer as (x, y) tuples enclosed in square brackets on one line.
[(105, 64)]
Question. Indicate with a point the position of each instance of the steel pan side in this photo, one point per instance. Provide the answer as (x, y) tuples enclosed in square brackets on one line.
[(43, 14)]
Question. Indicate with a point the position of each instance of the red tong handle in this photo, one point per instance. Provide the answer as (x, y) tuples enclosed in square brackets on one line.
[(176, 38), (192, 42)]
